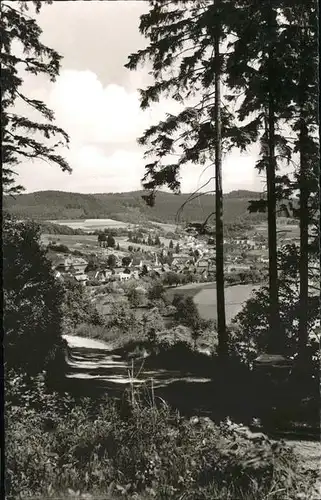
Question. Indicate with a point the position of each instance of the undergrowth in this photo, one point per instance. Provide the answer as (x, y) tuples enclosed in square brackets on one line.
[(58, 447)]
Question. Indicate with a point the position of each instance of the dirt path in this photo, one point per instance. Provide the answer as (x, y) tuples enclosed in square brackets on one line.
[(309, 453), (93, 360), (92, 363), (74, 341)]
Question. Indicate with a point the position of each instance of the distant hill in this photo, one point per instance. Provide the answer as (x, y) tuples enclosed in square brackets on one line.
[(128, 207)]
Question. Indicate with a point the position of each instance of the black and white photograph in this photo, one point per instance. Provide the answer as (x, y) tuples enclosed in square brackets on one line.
[(160, 250)]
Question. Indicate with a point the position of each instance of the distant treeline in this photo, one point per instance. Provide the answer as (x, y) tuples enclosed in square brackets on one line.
[(51, 228), (128, 207)]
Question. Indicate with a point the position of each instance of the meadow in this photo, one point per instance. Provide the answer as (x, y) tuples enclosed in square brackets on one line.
[(204, 295), (284, 229), (88, 242), (72, 241), (235, 297), (91, 224)]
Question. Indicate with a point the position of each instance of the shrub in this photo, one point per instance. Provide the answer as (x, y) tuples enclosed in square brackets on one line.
[(77, 307), (32, 300), (58, 248), (179, 355), (153, 320), (172, 279), (251, 329), (110, 335), (156, 292), (93, 265), (111, 241), (93, 283), (187, 313), (135, 297), (142, 449), (122, 317), (78, 253)]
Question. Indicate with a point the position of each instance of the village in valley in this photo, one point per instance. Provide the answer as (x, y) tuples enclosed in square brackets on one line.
[(161, 250), (184, 254), (132, 253), (114, 261)]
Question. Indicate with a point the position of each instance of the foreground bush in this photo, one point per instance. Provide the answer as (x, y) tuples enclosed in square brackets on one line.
[(33, 300), (138, 450)]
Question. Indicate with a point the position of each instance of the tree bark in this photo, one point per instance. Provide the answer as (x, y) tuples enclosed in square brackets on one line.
[(274, 314), (220, 293), (304, 248), (303, 209)]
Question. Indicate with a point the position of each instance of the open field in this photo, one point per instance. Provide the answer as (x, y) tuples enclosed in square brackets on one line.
[(72, 241), (84, 242), (283, 230), (93, 224), (235, 297), (204, 295), (257, 253), (166, 227)]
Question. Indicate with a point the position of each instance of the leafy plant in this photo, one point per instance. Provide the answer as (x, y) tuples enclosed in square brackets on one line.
[(141, 449), (32, 300)]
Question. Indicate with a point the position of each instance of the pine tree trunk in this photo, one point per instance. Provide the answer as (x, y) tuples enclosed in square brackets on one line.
[(304, 248), (319, 221), (303, 214), (220, 293), (274, 316)]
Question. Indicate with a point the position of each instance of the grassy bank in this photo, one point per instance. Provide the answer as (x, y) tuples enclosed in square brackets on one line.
[(189, 290), (57, 448)]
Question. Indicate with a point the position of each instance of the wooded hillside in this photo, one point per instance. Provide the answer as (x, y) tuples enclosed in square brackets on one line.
[(129, 207)]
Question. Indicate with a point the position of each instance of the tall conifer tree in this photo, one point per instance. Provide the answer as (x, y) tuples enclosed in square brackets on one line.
[(300, 31), (256, 69), (187, 59)]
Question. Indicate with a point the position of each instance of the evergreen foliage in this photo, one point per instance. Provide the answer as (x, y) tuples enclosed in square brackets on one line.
[(22, 137), (126, 261), (111, 261), (188, 63), (260, 52), (56, 205), (274, 63), (111, 241)]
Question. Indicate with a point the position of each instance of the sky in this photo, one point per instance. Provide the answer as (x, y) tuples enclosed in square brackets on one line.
[(96, 101)]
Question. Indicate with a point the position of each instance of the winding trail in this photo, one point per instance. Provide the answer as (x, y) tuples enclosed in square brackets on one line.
[(93, 367), (93, 360)]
